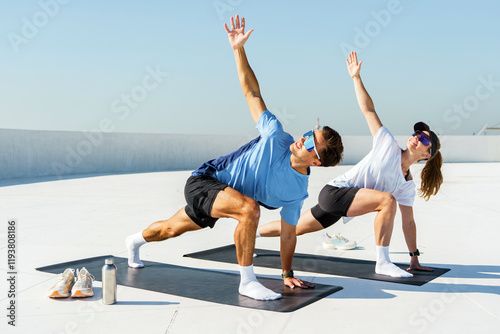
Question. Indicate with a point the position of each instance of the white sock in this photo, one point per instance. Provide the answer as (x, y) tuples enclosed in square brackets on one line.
[(250, 287), (133, 243), (257, 234), (384, 265)]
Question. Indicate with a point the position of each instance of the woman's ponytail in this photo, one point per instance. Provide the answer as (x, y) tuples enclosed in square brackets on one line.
[(431, 176)]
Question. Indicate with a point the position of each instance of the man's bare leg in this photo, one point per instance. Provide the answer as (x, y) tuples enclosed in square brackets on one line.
[(158, 231), (228, 203), (231, 203)]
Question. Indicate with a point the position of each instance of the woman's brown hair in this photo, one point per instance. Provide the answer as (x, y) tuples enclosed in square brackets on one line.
[(431, 176)]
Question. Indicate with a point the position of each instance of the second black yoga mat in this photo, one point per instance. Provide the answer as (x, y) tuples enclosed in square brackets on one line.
[(320, 264)]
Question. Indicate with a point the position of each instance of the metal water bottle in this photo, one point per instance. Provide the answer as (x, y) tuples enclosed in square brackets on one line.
[(109, 282)]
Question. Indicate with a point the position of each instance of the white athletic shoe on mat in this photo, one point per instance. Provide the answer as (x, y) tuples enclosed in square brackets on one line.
[(336, 241), (84, 284), (65, 281)]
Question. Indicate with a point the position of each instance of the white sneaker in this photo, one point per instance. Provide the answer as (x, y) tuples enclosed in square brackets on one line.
[(65, 282), (84, 284), (337, 241)]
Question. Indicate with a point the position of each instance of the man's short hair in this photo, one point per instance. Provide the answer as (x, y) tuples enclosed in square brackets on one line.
[(332, 154)]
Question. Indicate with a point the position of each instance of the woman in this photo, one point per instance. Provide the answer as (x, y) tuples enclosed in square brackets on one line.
[(377, 183)]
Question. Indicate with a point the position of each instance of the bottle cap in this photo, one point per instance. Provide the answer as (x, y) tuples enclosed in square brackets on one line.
[(109, 261)]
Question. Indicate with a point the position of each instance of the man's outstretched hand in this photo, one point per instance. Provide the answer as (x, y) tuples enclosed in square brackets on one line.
[(237, 36), (292, 282), (415, 265)]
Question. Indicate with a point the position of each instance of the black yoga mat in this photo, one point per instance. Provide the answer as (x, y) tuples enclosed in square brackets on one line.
[(320, 264), (206, 285)]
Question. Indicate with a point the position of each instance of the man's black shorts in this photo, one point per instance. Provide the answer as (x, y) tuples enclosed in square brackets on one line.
[(333, 203), (200, 192)]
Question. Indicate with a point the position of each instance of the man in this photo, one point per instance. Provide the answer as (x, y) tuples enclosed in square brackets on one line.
[(271, 170)]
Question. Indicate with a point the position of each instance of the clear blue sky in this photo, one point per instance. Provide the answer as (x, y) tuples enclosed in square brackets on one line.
[(67, 65)]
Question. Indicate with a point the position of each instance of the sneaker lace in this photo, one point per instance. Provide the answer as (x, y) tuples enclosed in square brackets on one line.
[(63, 277), (83, 276), (66, 275), (340, 237)]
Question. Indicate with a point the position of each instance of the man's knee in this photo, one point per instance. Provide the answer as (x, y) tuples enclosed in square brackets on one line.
[(170, 231), (166, 233), (250, 210)]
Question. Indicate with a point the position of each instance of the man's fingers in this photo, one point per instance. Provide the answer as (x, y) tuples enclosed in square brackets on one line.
[(227, 29), (248, 33), (243, 23), (237, 22), (419, 268), (424, 269), (306, 284), (299, 283), (232, 23), (293, 282), (309, 284)]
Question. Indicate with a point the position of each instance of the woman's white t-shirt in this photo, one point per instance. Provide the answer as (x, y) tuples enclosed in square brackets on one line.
[(380, 170)]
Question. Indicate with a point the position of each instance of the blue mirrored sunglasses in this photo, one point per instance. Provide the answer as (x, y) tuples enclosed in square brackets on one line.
[(309, 143), (422, 137)]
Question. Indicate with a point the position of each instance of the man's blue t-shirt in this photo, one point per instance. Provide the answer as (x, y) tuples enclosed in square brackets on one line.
[(261, 170)]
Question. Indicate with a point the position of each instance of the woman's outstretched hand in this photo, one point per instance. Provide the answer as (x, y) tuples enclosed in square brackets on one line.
[(353, 66)]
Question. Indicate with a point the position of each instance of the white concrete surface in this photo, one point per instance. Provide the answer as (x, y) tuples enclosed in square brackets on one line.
[(29, 153), (63, 220)]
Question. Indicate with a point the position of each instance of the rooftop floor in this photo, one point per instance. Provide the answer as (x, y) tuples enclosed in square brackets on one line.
[(64, 220)]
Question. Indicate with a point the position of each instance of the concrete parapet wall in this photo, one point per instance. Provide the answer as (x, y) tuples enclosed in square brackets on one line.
[(29, 153), (453, 148), (26, 153)]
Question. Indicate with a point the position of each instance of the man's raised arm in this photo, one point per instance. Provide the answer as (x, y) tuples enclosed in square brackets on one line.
[(248, 81)]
